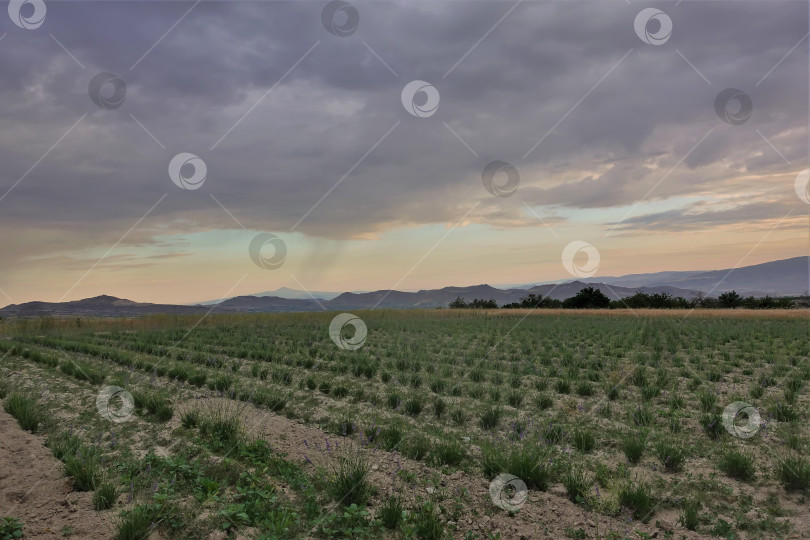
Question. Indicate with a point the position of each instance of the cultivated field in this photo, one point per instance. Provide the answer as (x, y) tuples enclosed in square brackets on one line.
[(261, 426)]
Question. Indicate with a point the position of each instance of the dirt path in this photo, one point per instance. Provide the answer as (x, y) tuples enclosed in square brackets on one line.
[(34, 489)]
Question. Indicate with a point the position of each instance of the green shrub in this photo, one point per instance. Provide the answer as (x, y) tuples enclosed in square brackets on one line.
[(10, 528)]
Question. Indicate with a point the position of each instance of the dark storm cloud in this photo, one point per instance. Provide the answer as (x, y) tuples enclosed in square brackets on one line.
[(316, 125)]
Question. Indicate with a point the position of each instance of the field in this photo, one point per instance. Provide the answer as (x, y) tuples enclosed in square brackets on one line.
[(261, 426)]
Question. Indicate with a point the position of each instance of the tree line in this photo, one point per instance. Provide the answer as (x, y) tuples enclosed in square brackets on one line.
[(592, 298)]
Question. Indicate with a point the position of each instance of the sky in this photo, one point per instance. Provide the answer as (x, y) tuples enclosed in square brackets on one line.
[(175, 152)]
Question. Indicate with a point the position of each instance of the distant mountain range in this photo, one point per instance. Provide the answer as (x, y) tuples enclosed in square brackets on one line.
[(788, 277)]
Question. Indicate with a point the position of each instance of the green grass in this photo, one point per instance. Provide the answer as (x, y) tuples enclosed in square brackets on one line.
[(577, 484), (584, 441), (737, 464), (549, 404), (490, 418), (349, 482), (391, 511), (105, 496), (636, 496), (689, 516), (427, 523), (154, 404), (671, 455), (633, 445), (794, 472), (25, 409), (449, 452), (136, 524)]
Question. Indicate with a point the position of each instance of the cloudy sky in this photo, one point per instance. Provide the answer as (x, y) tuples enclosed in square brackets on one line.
[(609, 131)]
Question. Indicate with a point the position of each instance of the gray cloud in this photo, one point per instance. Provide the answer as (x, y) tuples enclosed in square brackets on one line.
[(340, 100)]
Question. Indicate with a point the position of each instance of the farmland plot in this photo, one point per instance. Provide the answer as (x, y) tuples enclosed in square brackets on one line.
[(425, 424)]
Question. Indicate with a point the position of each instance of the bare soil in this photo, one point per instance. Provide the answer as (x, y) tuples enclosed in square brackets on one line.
[(34, 489)]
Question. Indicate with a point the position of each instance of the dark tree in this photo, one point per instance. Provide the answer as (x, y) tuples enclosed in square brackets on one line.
[(587, 298)]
